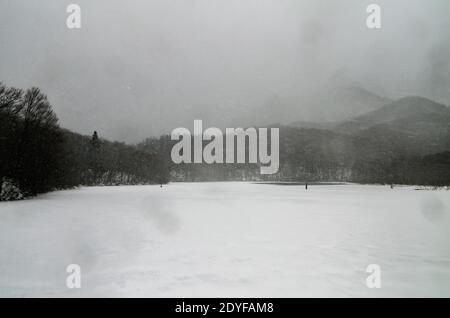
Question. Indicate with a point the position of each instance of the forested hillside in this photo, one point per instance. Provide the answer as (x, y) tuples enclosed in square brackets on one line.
[(37, 156), (405, 142)]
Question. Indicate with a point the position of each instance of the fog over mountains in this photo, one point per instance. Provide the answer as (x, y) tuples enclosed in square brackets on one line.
[(414, 115), (141, 68), (406, 141)]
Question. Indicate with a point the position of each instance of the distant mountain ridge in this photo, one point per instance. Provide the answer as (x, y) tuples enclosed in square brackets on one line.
[(320, 107), (406, 141), (408, 113), (327, 104), (411, 125)]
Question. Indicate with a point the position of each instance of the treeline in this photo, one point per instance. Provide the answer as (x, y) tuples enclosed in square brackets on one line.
[(92, 161), (429, 170), (198, 172), (384, 157), (37, 156), (305, 155), (311, 155)]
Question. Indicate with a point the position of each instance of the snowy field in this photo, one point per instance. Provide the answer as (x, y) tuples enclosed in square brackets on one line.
[(227, 239)]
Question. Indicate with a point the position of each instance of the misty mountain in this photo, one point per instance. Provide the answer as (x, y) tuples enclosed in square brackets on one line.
[(318, 108), (414, 115), (397, 143), (405, 141), (323, 107)]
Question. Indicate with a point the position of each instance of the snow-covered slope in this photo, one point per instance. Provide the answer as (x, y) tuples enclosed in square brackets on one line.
[(227, 239)]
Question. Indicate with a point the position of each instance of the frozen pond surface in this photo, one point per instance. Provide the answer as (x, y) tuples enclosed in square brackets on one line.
[(227, 240)]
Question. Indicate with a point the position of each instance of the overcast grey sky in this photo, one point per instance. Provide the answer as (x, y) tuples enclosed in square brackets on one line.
[(140, 68)]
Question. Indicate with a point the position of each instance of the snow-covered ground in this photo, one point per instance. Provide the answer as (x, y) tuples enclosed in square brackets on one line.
[(227, 239)]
